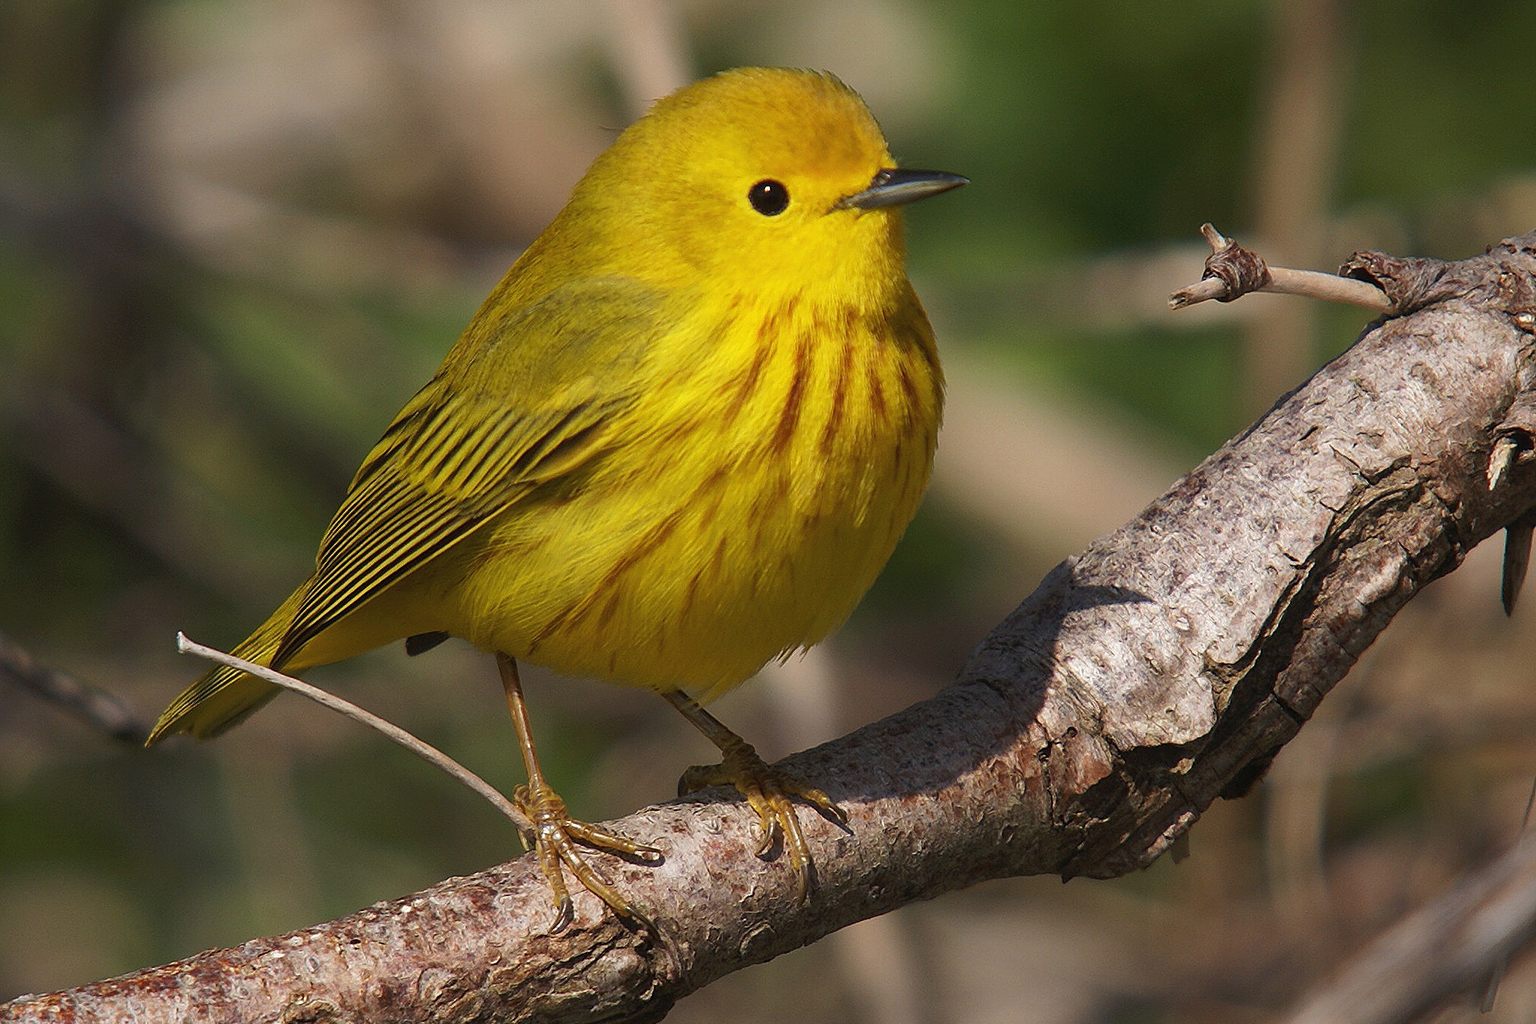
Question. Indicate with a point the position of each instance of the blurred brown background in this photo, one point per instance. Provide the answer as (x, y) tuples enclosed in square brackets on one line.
[(236, 235)]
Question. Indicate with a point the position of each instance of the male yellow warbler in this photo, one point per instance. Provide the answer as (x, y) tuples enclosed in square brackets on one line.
[(680, 438)]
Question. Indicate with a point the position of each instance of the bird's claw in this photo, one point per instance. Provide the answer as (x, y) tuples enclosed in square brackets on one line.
[(553, 835), (771, 793)]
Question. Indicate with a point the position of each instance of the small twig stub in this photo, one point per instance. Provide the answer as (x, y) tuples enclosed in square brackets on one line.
[(1232, 271)]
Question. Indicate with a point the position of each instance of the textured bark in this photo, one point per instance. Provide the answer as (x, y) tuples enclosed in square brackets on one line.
[(1157, 670)]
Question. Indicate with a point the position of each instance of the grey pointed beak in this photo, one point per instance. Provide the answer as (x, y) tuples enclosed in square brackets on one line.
[(891, 187)]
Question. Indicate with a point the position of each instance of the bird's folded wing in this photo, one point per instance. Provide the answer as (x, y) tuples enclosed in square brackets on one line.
[(524, 400)]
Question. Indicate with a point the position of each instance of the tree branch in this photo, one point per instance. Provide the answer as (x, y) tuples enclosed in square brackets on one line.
[(1159, 669), (90, 703), (1442, 949), (1232, 271)]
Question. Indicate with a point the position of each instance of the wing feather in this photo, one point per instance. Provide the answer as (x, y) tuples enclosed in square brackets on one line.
[(520, 402)]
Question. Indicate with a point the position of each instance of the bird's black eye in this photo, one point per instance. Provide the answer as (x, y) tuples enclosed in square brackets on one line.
[(768, 197)]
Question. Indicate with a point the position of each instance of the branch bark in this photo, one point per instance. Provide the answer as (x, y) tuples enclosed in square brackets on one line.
[(1159, 669)]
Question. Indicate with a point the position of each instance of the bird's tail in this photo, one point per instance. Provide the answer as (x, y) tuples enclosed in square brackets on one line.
[(224, 697)]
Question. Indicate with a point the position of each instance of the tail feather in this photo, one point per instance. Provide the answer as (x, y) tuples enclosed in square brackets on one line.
[(225, 697)]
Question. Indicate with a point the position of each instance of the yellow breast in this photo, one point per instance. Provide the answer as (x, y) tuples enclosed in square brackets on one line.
[(762, 487)]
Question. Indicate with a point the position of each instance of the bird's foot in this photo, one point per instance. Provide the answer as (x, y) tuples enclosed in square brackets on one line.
[(553, 836), (771, 793)]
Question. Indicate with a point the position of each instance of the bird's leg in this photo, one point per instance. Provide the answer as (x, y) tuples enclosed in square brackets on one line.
[(768, 790), (553, 832)]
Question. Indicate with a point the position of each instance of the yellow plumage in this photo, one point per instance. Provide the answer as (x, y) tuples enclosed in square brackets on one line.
[(680, 438)]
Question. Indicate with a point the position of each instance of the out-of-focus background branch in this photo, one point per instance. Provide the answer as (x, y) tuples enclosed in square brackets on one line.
[(235, 236)]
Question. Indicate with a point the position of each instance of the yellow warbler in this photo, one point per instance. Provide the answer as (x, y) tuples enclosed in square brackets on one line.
[(679, 439)]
